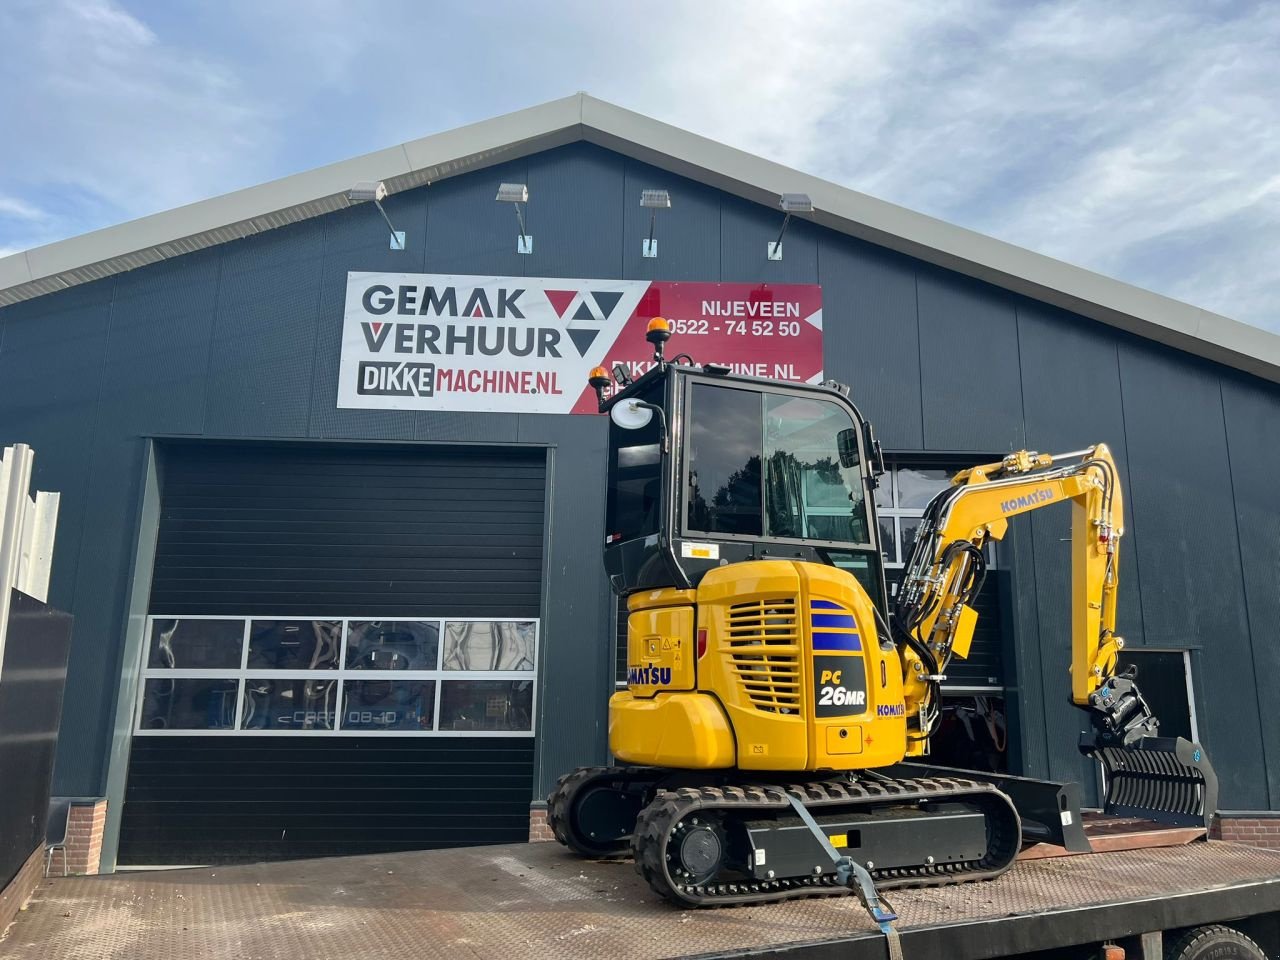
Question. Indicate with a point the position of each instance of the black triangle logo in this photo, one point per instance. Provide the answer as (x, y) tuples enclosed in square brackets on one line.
[(606, 302), (582, 339), (583, 312)]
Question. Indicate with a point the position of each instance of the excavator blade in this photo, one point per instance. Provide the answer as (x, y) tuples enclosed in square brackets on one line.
[(1166, 779)]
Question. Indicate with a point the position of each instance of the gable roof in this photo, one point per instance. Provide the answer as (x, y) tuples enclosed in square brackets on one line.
[(313, 193)]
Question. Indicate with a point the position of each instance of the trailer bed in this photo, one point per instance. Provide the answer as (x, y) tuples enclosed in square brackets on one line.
[(536, 900)]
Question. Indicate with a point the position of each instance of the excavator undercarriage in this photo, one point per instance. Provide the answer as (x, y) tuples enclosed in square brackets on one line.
[(738, 841)]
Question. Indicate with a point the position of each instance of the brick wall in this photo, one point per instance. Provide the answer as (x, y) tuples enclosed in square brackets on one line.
[(15, 896), (538, 828), (1253, 831), (85, 825)]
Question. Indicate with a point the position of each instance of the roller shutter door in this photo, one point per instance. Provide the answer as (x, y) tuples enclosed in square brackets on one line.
[(403, 553)]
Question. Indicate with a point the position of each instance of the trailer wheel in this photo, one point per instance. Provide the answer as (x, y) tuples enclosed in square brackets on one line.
[(1214, 942)]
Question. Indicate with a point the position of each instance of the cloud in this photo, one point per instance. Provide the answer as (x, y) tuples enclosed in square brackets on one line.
[(113, 122), (1140, 140), (19, 209)]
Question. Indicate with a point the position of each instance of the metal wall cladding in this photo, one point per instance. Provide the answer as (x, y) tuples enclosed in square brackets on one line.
[(241, 341)]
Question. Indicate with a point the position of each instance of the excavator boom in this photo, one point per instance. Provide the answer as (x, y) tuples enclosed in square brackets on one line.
[(934, 620)]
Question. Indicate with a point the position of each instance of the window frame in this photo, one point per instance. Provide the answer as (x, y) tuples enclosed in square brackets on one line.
[(239, 675)]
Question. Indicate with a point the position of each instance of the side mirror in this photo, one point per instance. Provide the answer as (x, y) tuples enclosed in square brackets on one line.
[(847, 443)]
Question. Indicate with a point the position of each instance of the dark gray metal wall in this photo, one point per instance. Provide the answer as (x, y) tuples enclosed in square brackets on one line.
[(242, 341)]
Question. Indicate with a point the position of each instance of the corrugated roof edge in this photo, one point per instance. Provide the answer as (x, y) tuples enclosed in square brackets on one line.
[(312, 193)]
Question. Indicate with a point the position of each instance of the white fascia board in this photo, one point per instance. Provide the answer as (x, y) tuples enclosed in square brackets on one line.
[(1142, 312), (492, 141), (14, 269), (218, 212)]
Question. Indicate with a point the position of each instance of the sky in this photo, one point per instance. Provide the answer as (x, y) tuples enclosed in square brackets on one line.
[(1137, 139)]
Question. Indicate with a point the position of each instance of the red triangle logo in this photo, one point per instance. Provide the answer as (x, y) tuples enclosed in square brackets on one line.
[(560, 300), (377, 327), (477, 312)]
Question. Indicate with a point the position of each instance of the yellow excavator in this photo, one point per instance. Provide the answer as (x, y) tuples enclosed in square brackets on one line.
[(776, 707)]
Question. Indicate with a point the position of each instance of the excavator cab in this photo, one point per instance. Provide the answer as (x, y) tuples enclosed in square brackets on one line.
[(707, 469)]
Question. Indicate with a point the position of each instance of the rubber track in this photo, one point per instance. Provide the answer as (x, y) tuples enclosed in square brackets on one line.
[(669, 808), (561, 800)]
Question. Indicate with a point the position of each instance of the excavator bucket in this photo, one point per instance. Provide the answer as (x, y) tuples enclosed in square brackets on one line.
[(1165, 779)]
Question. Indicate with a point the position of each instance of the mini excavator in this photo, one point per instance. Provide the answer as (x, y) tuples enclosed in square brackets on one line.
[(772, 694)]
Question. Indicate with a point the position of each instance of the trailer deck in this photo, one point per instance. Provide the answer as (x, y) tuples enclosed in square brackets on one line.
[(537, 900)]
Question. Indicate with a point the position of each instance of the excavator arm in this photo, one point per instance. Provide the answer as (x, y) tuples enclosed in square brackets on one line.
[(934, 619)]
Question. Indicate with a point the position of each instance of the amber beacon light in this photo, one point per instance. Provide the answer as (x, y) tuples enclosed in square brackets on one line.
[(599, 379), (658, 332)]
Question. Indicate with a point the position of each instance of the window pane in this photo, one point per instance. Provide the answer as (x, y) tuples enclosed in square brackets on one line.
[(196, 644), (884, 492), (724, 461), (808, 493), (294, 644), (888, 540), (909, 526), (917, 487), (289, 704), (392, 644), (388, 704), (189, 704), (489, 645), (632, 502), (486, 705)]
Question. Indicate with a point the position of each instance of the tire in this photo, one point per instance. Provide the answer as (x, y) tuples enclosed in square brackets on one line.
[(1214, 942)]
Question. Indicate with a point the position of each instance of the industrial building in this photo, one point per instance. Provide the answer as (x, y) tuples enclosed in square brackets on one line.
[(335, 427)]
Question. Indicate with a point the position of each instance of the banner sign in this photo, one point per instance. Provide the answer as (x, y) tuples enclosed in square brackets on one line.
[(526, 345)]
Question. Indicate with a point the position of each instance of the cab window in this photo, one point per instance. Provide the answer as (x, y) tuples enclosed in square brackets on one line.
[(724, 461), (773, 465), (813, 489)]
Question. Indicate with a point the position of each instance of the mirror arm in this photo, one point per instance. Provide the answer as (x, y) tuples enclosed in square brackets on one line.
[(662, 421)]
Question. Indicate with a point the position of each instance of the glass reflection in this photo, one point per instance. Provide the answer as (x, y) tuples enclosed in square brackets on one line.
[(490, 645), (486, 705), (294, 644), (376, 705), (294, 704), (724, 461), (196, 644), (917, 487), (189, 704), (392, 644)]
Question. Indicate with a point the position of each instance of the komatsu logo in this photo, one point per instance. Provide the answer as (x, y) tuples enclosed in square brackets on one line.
[(890, 710), (1030, 500), (648, 676)]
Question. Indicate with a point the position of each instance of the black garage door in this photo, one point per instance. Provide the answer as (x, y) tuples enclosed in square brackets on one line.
[(341, 655)]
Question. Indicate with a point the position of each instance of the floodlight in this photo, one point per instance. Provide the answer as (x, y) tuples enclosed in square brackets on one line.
[(376, 191), (790, 203), (796, 203), (367, 190), (516, 194), (653, 201), (513, 193)]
